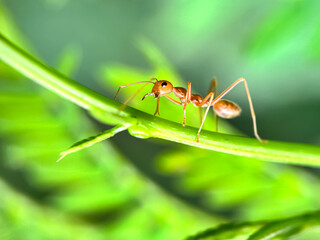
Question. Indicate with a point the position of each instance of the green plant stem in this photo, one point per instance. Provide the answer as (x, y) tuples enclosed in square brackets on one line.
[(145, 125), (50, 78)]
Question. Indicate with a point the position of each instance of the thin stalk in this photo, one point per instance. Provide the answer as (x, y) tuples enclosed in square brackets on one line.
[(143, 124)]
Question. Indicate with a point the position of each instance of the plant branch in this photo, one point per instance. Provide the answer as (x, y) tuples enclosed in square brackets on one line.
[(144, 125)]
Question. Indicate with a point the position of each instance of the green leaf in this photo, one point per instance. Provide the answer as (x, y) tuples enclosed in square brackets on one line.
[(94, 139), (215, 177), (277, 229), (227, 231)]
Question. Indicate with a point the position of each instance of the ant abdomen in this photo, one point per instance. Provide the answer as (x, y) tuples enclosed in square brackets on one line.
[(226, 109)]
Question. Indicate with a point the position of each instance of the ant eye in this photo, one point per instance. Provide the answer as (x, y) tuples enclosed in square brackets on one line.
[(163, 84)]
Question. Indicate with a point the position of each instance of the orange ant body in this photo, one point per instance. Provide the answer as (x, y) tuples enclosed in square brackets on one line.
[(223, 108)]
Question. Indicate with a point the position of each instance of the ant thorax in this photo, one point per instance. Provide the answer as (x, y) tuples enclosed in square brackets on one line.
[(180, 92)]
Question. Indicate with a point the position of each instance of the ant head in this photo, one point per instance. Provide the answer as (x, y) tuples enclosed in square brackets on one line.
[(160, 88)]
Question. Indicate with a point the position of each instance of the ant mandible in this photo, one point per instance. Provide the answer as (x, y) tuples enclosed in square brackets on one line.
[(223, 108)]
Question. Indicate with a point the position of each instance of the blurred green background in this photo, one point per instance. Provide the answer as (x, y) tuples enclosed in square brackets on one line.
[(128, 188)]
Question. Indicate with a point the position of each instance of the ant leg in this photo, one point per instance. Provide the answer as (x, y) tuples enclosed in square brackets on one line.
[(157, 109), (206, 99), (214, 87), (132, 97), (211, 95), (127, 85), (249, 100), (173, 100), (186, 101)]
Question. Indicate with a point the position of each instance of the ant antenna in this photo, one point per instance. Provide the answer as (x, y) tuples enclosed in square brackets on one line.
[(127, 85)]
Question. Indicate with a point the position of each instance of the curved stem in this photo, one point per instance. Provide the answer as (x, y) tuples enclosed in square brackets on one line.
[(50, 78), (147, 125)]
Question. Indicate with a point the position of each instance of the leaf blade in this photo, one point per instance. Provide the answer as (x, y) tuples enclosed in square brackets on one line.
[(88, 142)]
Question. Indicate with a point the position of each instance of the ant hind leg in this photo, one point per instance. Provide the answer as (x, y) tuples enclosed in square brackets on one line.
[(249, 100), (205, 100), (186, 101), (214, 88)]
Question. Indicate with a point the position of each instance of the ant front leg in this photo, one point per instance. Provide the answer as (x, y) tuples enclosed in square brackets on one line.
[(127, 85), (249, 100), (173, 100), (157, 108), (135, 94)]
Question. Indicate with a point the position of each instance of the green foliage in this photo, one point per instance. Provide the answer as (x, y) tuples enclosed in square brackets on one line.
[(94, 194), (106, 109), (216, 178), (273, 230), (97, 193), (72, 204)]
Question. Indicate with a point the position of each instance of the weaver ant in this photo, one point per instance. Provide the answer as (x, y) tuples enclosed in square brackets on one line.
[(223, 108)]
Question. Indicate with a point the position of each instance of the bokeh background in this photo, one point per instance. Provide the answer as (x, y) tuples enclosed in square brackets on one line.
[(128, 188)]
